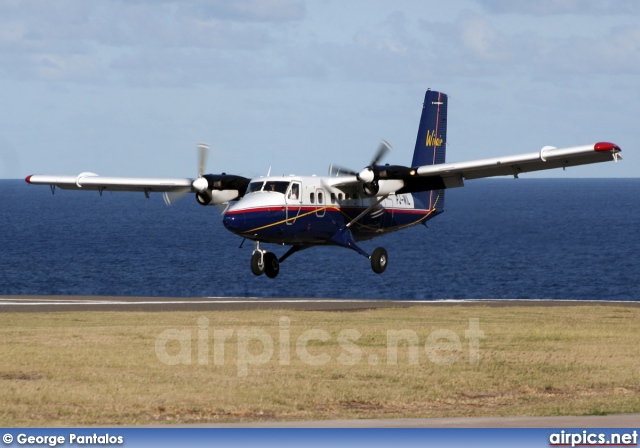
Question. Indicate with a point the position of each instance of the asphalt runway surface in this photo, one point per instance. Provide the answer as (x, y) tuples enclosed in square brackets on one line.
[(108, 303), (588, 421)]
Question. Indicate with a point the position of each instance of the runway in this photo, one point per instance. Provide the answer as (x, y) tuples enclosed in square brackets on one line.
[(566, 421), (114, 303)]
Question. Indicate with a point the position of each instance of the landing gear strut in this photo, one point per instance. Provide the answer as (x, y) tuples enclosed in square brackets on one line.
[(264, 262), (379, 258)]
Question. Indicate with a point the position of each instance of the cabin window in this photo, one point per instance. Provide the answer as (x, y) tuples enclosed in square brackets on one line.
[(346, 196), (333, 198), (312, 198), (339, 196), (320, 198)]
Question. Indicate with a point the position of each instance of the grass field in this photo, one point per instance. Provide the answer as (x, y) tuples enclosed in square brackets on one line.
[(135, 368)]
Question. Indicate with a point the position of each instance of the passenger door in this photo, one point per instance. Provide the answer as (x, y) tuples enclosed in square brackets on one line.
[(293, 201)]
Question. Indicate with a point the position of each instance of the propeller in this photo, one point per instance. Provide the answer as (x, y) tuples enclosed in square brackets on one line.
[(370, 174), (383, 149), (200, 184), (203, 152), (366, 175), (338, 170)]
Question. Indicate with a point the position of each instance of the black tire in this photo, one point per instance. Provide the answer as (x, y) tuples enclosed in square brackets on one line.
[(379, 260), (256, 266), (271, 265)]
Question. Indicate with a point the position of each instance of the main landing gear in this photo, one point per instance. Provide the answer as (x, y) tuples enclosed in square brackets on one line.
[(379, 259), (264, 262)]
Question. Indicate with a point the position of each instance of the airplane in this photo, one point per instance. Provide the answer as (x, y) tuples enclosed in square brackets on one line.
[(346, 206)]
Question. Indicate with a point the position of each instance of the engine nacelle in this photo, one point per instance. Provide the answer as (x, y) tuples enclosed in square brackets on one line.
[(384, 179), (216, 197), (227, 182), (370, 189), (382, 187)]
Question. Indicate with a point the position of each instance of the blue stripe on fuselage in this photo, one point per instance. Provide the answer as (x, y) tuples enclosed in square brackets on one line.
[(304, 226)]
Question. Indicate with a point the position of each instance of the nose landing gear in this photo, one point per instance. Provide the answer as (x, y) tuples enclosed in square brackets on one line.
[(257, 263), (264, 262)]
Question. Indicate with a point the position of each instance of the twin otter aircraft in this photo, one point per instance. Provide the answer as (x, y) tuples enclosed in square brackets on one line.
[(347, 206)]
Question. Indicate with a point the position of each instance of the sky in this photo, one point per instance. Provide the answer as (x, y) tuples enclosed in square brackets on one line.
[(129, 87)]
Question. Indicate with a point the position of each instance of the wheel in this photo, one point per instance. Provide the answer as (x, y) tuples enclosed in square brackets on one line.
[(271, 265), (257, 264), (379, 260)]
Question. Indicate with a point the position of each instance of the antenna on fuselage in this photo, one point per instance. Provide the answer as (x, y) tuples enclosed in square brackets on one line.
[(269, 172)]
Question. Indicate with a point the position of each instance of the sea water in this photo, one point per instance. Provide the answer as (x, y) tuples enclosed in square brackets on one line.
[(574, 239)]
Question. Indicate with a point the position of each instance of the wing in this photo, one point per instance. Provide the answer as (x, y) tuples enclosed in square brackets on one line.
[(91, 181), (452, 174), (210, 189), (385, 179)]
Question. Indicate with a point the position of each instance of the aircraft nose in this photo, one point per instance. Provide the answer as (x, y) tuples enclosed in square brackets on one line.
[(234, 222)]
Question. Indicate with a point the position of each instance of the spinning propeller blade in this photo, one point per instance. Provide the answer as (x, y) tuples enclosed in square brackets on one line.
[(199, 184), (173, 197), (203, 152), (383, 149), (366, 174), (338, 170)]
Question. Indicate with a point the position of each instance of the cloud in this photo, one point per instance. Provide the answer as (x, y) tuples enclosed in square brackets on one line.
[(69, 40), (248, 10), (477, 46), (251, 42), (399, 50), (561, 7)]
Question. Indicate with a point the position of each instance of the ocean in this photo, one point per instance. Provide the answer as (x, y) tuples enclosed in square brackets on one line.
[(572, 239)]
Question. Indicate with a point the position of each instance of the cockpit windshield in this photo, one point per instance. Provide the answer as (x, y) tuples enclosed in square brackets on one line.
[(254, 186), (278, 186), (268, 186)]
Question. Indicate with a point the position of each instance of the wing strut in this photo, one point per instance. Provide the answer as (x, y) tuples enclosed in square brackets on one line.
[(367, 210)]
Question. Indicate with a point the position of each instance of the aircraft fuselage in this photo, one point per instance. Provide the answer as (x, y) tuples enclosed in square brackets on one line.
[(308, 210)]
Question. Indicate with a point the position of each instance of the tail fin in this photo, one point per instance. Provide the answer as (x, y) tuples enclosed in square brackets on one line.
[(431, 143)]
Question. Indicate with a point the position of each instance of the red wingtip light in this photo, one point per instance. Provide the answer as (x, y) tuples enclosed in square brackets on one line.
[(28, 179), (606, 146)]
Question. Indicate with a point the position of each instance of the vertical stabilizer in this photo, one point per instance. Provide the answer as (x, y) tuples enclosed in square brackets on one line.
[(431, 143)]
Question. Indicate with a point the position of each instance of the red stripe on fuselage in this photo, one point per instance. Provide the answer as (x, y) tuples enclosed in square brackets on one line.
[(408, 211)]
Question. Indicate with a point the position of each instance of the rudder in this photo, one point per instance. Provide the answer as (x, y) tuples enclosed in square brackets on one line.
[(431, 143)]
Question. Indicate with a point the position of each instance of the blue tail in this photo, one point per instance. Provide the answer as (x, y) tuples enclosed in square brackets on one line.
[(431, 143)]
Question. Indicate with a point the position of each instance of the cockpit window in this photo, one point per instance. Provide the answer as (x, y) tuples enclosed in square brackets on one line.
[(271, 185), (255, 186), (278, 186)]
